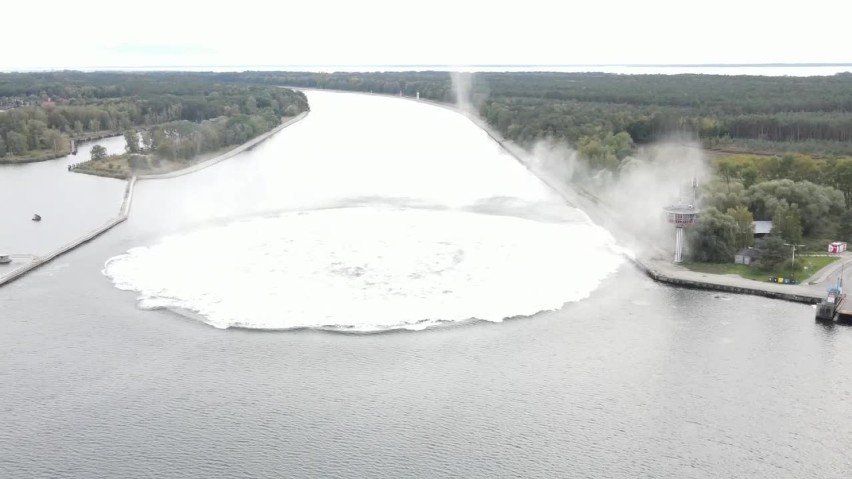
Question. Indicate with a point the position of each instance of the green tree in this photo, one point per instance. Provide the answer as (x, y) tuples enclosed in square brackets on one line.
[(53, 140), (787, 223), (597, 153), (99, 152), (726, 169), (745, 227), (723, 196), (844, 227), (620, 144), (772, 253), (819, 205), (2, 147), (131, 139), (749, 175), (16, 143), (713, 239)]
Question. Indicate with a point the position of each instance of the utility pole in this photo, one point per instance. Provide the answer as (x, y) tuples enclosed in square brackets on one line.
[(793, 259)]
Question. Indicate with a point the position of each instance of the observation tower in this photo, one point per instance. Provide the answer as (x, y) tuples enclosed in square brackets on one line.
[(682, 215)]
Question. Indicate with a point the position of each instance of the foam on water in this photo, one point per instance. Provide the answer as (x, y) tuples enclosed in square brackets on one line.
[(368, 269)]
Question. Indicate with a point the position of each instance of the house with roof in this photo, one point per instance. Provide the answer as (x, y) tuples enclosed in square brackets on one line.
[(761, 228)]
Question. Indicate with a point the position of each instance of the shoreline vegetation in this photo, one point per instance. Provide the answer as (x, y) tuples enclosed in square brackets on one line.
[(68, 145), (185, 114), (149, 166)]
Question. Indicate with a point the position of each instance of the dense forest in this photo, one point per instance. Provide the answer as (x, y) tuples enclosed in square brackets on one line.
[(746, 113), (807, 199), (47, 109), (597, 113)]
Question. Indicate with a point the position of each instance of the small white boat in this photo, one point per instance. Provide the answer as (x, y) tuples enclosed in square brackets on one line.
[(5, 259)]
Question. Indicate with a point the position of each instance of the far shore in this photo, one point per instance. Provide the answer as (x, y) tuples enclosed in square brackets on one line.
[(55, 155), (116, 166)]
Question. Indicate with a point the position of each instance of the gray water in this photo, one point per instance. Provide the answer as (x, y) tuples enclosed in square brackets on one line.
[(637, 380), (71, 204)]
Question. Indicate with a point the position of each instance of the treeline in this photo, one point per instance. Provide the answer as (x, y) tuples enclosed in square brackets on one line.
[(747, 113), (722, 111), (431, 85), (84, 103), (804, 197), (749, 170), (183, 140)]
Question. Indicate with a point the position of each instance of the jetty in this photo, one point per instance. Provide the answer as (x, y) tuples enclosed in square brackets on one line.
[(24, 263)]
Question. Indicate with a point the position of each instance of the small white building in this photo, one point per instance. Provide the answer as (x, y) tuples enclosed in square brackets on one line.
[(837, 247), (761, 228), (746, 256)]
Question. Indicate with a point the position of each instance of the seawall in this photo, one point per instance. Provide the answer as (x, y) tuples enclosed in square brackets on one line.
[(794, 293), (123, 213)]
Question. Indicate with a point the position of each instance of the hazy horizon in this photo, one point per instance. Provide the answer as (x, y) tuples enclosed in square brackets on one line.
[(754, 69), (442, 33)]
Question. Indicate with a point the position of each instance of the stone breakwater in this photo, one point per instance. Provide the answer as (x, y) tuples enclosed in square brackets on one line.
[(36, 261)]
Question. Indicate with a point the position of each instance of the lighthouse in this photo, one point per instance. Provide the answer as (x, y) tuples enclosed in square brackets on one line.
[(681, 216)]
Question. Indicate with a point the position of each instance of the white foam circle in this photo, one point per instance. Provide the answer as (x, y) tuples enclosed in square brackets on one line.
[(368, 269)]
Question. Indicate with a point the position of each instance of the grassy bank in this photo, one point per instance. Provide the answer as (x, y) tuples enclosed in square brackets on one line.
[(809, 266), (118, 166), (33, 156)]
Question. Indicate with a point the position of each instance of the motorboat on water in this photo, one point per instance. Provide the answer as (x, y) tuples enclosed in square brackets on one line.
[(5, 259), (36, 217)]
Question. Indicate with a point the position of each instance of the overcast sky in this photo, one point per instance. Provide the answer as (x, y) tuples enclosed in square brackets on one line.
[(100, 33)]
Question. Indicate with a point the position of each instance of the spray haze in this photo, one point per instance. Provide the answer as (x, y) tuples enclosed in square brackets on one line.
[(630, 201), (462, 87)]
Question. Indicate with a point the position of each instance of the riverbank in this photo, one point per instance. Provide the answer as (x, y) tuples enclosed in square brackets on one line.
[(69, 148), (39, 155), (652, 261), (229, 154), (118, 167)]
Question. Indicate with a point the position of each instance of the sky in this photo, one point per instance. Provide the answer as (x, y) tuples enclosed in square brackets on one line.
[(97, 33)]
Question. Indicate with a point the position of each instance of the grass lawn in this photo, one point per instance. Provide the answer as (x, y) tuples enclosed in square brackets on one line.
[(810, 265), (111, 166), (39, 155)]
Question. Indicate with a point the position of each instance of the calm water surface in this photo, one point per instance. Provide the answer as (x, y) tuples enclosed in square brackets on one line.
[(71, 204), (628, 379)]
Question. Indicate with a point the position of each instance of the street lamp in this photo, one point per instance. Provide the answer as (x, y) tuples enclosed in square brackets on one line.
[(793, 259)]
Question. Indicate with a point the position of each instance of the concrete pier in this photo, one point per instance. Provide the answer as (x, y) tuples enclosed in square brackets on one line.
[(28, 263)]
